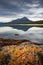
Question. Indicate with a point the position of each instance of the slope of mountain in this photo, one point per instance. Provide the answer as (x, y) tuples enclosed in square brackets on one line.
[(23, 20), (39, 22), (35, 22)]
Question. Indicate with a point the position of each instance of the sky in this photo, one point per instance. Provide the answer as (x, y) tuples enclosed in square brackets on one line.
[(13, 9)]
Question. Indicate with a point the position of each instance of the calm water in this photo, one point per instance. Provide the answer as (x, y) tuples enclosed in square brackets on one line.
[(24, 27), (31, 33)]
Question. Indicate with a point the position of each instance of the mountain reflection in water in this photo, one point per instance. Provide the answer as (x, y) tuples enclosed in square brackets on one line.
[(34, 34)]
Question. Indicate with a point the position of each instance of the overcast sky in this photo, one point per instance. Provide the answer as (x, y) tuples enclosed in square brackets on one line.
[(13, 9)]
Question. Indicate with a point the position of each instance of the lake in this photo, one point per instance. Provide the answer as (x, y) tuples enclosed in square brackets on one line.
[(23, 26), (32, 33)]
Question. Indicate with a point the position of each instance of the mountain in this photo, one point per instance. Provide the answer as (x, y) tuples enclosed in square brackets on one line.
[(1, 22), (36, 22), (39, 22), (23, 20)]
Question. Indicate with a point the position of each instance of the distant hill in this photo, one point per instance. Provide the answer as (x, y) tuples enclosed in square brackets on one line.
[(23, 20), (39, 22), (36, 22)]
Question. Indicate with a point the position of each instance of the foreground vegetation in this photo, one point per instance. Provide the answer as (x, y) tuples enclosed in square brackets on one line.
[(20, 52)]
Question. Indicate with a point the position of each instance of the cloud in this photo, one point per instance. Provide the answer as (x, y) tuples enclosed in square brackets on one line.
[(33, 9)]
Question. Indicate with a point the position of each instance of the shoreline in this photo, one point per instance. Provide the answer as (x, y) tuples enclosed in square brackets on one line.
[(5, 42)]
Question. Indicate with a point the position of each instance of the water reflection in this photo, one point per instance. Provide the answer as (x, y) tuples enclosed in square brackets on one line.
[(34, 34)]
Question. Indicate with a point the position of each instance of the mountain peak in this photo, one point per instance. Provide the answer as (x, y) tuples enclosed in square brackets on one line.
[(20, 21), (24, 17)]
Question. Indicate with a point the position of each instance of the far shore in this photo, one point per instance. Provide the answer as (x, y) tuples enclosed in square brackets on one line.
[(29, 24), (21, 25)]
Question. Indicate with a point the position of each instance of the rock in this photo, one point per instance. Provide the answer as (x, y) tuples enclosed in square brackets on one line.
[(22, 54)]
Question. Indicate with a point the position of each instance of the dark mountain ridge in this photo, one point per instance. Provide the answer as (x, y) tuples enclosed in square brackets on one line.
[(23, 20), (20, 21)]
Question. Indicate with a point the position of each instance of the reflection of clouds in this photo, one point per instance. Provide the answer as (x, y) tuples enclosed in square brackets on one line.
[(10, 30), (35, 30), (34, 34), (5, 29)]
